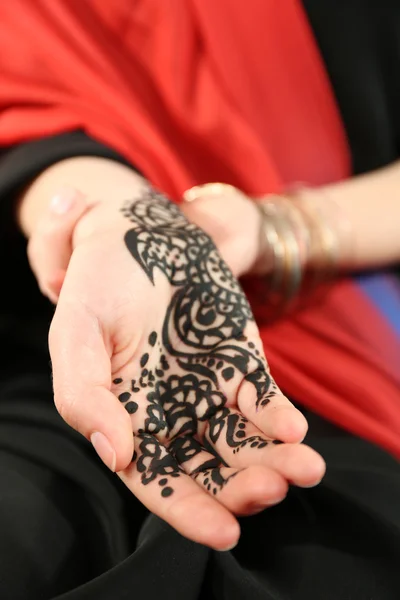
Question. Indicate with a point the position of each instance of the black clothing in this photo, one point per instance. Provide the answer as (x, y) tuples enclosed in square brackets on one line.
[(68, 524)]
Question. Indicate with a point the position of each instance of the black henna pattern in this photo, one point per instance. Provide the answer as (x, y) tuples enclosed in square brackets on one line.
[(203, 332)]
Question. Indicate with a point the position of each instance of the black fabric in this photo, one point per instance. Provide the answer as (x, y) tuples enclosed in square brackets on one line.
[(18, 167), (360, 44), (68, 524)]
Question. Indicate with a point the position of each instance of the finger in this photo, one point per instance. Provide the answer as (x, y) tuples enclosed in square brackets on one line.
[(49, 248), (248, 489), (240, 443), (82, 384), (264, 488), (273, 414), (158, 482), (244, 491)]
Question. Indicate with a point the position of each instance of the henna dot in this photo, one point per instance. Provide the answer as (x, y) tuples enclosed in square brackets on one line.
[(164, 363), (133, 387), (166, 492), (240, 434), (209, 487), (257, 353), (215, 491), (263, 444), (131, 407), (159, 373), (174, 474), (117, 380), (144, 359), (228, 373), (145, 373), (211, 362), (124, 396), (220, 364), (254, 445), (163, 481), (152, 338), (206, 481), (277, 442), (242, 426), (251, 345)]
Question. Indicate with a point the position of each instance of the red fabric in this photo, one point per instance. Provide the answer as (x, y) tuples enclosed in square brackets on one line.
[(194, 91)]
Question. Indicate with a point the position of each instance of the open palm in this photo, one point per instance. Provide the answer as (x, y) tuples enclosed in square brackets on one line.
[(177, 345)]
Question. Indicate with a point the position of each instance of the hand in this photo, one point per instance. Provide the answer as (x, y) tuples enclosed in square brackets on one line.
[(50, 245), (153, 335), (231, 220), (235, 225)]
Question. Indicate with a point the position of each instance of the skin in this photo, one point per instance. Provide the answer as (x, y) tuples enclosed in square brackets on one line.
[(98, 369), (94, 360)]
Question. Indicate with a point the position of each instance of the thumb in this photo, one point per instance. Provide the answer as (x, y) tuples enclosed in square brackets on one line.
[(49, 248), (82, 384)]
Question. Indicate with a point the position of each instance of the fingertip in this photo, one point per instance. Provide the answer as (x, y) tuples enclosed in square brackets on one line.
[(300, 464), (289, 425), (124, 454), (229, 540), (227, 537), (122, 439), (219, 528), (64, 200), (316, 471), (104, 449)]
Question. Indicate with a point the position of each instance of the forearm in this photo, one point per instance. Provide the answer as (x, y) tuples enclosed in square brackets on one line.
[(370, 204), (98, 178)]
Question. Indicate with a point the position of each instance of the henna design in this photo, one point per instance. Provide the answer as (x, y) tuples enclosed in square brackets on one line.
[(203, 332)]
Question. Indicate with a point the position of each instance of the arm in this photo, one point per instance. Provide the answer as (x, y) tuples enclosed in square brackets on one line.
[(129, 358), (368, 203), (371, 205), (95, 177)]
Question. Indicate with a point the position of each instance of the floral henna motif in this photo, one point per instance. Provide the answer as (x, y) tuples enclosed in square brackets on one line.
[(203, 332)]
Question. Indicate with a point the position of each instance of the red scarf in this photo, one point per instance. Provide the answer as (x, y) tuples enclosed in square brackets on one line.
[(192, 91)]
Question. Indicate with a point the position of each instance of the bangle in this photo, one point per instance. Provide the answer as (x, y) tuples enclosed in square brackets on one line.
[(302, 235), (283, 233), (330, 231)]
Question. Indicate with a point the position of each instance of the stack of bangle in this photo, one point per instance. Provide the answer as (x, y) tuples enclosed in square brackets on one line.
[(304, 237), (313, 236)]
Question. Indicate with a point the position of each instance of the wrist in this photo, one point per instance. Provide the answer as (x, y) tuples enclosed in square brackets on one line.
[(234, 224), (308, 239)]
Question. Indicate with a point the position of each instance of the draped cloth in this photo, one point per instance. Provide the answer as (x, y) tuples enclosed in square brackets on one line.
[(192, 91)]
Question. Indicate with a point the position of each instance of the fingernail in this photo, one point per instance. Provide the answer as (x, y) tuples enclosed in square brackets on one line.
[(104, 449), (63, 201)]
